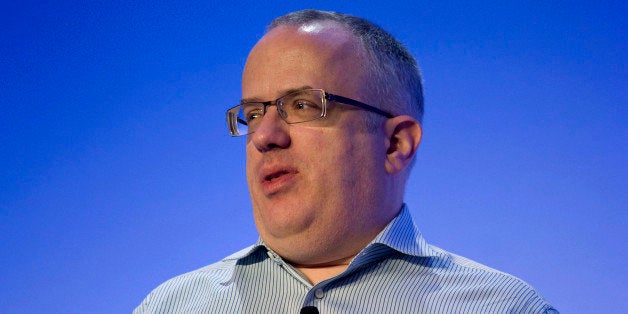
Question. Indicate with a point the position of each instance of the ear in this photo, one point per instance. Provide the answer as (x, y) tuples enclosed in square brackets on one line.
[(403, 136)]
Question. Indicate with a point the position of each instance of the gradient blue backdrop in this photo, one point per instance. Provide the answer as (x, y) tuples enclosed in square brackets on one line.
[(117, 172)]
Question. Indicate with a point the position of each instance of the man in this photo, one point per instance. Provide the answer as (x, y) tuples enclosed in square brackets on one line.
[(331, 110)]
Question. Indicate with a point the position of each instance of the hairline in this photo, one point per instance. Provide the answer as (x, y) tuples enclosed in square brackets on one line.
[(403, 96)]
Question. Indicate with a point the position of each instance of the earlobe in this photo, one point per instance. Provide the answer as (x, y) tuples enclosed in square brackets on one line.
[(403, 138)]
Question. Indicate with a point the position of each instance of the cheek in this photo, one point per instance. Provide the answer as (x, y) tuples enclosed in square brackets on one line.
[(340, 161), (252, 158), (249, 164)]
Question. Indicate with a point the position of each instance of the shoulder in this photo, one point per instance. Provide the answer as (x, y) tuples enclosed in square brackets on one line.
[(183, 291), (503, 291)]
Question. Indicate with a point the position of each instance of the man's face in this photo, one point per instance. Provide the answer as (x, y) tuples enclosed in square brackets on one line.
[(317, 188)]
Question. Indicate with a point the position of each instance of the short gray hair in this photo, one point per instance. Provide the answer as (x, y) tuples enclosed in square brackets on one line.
[(396, 78)]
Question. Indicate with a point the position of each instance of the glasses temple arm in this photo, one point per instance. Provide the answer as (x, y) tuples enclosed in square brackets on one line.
[(358, 104)]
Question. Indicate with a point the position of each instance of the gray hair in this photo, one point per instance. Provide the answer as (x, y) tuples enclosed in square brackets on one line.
[(396, 78)]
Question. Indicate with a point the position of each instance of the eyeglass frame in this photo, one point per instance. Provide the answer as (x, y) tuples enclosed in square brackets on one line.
[(326, 96)]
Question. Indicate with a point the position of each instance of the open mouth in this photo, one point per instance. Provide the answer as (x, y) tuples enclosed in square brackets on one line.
[(275, 175), (278, 180)]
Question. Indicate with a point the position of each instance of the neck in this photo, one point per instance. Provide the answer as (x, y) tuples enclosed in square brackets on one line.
[(319, 272)]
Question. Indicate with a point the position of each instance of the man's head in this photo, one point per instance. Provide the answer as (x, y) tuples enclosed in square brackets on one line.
[(321, 190)]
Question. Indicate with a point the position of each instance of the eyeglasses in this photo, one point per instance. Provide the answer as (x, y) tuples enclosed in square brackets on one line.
[(295, 107)]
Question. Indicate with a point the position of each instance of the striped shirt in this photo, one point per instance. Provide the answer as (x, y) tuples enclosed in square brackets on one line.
[(398, 272)]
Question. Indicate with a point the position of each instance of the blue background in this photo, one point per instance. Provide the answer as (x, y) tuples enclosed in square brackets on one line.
[(117, 172)]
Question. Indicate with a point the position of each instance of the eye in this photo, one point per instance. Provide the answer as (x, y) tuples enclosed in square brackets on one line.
[(302, 104), (252, 114)]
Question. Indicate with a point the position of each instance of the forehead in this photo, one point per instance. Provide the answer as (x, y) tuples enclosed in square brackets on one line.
[(320, 55)]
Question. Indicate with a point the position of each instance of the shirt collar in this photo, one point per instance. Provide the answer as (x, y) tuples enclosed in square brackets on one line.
[(400, 234)]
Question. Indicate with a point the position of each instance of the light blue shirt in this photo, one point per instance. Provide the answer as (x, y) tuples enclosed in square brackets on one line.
[(398, 272)]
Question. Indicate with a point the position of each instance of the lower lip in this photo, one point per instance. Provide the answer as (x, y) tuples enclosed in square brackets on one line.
[(279, 184)]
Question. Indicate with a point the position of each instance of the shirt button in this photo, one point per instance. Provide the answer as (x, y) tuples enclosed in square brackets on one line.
[(319, 293)]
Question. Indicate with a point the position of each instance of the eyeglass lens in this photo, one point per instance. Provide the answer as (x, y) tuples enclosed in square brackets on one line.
[(295, 107)]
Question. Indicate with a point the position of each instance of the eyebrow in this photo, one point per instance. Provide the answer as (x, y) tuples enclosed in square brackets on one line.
[(283, 92)]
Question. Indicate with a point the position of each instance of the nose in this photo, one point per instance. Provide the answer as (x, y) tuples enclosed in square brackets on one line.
[(272, 132)]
